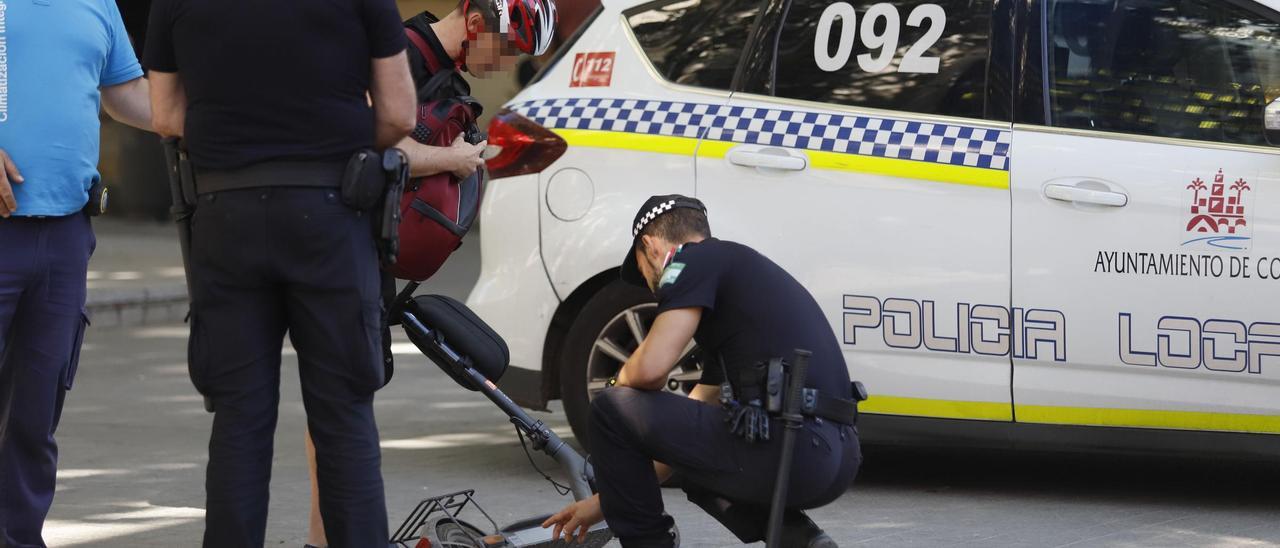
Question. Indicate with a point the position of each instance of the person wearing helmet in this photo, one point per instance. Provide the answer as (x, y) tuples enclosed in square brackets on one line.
[(744, 311), (572, 16), (479, 37)]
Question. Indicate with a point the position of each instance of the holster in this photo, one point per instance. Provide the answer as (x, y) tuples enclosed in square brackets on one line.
[(757, 394), (98, 196), (363, 183), (750, 384), (744, 401), (395, 170), (182, 192), (374, 183)]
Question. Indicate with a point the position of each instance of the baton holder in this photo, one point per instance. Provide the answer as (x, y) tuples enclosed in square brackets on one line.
[(792, 422)]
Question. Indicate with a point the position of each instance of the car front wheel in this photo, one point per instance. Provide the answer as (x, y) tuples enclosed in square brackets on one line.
[(603, 336)]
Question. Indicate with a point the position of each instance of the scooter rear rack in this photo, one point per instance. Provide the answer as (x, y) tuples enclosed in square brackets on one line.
[(452, 505)]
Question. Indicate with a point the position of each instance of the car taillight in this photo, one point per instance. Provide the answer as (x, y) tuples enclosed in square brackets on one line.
[(523, 146)]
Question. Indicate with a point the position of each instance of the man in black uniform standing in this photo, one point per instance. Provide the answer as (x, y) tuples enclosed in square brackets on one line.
[(272, 99), (743, 310)]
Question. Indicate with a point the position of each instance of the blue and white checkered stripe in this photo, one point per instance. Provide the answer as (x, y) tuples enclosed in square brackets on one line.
[(848, 134)]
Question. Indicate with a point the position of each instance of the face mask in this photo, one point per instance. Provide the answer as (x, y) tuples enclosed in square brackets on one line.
[(659, 269), (671, 254)]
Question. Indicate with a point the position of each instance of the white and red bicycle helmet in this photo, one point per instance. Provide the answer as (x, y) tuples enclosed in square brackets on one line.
[(530, 24)]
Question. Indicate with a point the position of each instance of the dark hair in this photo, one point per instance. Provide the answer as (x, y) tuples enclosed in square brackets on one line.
[(679, 225), (487, 9)]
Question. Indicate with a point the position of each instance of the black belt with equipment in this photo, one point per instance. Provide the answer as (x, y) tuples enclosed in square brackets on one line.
[(758, 394), (833, 409), (270, 174), (369, 181)]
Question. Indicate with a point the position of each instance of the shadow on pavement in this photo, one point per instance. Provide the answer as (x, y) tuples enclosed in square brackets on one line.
[(1136, 477)]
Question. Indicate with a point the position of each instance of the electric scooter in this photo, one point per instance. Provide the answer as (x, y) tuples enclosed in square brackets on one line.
[(474, 356)]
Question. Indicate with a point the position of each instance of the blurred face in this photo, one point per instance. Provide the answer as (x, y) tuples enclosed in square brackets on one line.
[(489, 52)]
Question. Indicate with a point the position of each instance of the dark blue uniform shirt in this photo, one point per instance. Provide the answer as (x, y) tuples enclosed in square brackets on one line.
[(752, 311), (273, 79)]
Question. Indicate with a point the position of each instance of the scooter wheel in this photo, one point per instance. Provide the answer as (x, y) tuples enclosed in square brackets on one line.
[(448, 532)]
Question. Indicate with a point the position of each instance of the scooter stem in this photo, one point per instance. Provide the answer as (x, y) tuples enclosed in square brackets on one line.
[(574, 466), (544, 440)]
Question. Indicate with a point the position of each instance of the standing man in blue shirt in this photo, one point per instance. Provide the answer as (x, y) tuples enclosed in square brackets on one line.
[(59, 62)]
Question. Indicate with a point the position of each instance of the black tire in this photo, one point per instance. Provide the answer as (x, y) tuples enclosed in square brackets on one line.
[(605, 317), (449, 532)]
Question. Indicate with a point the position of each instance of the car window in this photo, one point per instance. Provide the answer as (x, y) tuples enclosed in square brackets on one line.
[(1190, 69), (915, 56), (694, 42)]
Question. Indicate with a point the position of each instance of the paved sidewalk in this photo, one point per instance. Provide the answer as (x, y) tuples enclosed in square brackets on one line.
[(134, 440), (136, 275)]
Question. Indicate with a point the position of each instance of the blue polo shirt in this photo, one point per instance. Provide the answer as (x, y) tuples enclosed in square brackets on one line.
[(54, 55)]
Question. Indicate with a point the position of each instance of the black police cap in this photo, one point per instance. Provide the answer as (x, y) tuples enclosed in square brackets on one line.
[(653, 208)]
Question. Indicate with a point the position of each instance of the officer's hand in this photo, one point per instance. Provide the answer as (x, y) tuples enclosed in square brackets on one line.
[(8, 175), (576, 519), (466, 157)]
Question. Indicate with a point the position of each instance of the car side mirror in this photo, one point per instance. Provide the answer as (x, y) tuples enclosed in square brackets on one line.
[(1271, 121)]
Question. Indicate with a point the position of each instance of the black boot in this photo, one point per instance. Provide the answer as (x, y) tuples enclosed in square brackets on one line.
[(798, 531), (668, 540)]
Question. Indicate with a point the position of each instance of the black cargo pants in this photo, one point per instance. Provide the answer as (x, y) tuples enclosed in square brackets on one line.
[(729, 478), (266, 262)]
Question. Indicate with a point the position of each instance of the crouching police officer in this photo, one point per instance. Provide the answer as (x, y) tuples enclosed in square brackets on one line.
[(275, 100), (745, 312)]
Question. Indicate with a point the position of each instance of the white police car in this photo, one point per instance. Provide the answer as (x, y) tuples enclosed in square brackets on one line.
[(1050, 223)]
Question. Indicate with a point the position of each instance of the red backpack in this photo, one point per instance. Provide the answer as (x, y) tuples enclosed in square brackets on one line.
[(438, 210)]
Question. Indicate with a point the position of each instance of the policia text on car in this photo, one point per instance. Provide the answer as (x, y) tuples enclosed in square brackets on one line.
[(744, 312), (271, 118)]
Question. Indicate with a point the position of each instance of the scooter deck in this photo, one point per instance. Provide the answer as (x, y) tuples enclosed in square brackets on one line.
[(529, 533)]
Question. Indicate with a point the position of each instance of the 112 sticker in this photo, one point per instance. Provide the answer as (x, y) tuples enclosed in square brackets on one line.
[(592, 69)]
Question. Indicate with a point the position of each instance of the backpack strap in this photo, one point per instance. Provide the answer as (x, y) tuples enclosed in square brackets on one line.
[(440, 108), (444, 80), (446, 84), (424, 49)]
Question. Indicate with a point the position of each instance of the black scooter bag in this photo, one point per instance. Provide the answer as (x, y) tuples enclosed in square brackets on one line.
[(451, 323)]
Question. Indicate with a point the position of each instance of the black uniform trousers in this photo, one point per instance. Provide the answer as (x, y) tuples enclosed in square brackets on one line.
[(43, 263), (266, 262), (728, 477)]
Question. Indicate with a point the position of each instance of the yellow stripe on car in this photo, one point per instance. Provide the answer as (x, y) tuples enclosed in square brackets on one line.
[(1074, 416), (941, 409), (854, 163), (1149, 418), (661, 144), (907, 169)]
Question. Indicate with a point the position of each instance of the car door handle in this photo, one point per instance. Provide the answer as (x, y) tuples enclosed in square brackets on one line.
[(768, 158), (1071, 193)]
